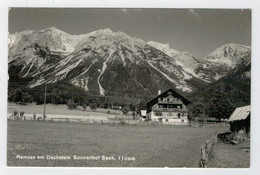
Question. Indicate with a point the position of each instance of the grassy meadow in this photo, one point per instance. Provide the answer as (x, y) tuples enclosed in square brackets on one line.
[(52, 110), (139, 146), (230, 156)]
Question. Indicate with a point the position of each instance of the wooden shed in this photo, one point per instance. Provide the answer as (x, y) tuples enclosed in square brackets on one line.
[(240, 120)]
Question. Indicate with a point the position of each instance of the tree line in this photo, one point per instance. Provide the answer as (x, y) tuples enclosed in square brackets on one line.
[(219, 99)]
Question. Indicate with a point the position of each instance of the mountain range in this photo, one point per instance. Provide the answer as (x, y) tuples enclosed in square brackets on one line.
[(108, 63)]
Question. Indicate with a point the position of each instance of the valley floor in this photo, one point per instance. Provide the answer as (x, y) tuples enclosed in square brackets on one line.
[(138, 146)]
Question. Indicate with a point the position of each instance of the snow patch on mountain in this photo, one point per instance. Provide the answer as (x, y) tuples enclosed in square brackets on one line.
[(166, 76), (29, 69), (83, 83), (178, 85), (86, 69), (122, 57), (15, 37), (38, 82), (163, 47), (65, 71), (184, 60), (229, 54), (101, 89)]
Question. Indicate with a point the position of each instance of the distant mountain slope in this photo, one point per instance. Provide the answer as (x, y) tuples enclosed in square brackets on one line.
[(236, 86), (104, 62)]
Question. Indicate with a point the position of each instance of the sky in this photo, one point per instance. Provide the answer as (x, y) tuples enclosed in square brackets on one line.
[(198, 31)]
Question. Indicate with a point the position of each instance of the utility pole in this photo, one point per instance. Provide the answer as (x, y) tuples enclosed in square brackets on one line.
[(44, 111)]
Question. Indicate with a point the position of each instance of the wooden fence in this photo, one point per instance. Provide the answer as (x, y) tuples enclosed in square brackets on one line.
[(206, 150), (83, 120)]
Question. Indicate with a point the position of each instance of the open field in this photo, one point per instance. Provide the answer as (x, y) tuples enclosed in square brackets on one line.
[(144, 146), (62, 111), (230, 156)]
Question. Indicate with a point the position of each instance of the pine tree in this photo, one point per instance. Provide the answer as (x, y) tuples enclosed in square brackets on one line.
[(220, 107)]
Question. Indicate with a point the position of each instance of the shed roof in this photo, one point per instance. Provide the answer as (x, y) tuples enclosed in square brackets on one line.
[(240, 113)]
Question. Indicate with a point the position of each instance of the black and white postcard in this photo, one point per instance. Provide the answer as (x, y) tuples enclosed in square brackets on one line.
[(129, 87)]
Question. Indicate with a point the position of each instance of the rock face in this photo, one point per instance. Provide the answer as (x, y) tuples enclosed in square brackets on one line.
[(104, 62), (230, 55)]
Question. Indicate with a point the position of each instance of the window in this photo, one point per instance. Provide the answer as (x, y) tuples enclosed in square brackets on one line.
[(158, 114), (166, 120), (179, 106), (182, 120), (179, 115)]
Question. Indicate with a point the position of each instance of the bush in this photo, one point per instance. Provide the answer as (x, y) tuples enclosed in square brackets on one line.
[(125, 110), (34, 116), (15, 113), (134, 115), (84, 104), (122, 122), (71, 104), (21, 113), (93, 106)]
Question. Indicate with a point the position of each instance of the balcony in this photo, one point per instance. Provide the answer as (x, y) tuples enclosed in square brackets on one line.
[(170, 102), (156, 109)]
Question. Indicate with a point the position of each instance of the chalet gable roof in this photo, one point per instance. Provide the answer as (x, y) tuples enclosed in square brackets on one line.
[(165, 94)]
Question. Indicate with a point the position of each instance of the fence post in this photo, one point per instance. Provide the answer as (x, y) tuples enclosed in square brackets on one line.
[(206, 150)]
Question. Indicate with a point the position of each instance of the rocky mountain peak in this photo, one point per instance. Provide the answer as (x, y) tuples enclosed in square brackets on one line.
[(105, 62), (163, 47), (229, 54), (52, 28), (106, 31), (53, 31)]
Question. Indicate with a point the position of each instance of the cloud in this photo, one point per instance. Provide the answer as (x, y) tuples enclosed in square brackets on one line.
[(195, 14)]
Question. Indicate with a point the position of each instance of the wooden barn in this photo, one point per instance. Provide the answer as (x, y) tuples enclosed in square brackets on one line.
[(240, 120), (168, 107)]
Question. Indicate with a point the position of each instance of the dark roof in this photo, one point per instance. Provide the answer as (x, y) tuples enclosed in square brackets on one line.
[(165, 94)]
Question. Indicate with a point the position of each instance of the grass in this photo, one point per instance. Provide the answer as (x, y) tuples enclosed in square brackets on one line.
[(63, 110), (230, 156), (150, 146)]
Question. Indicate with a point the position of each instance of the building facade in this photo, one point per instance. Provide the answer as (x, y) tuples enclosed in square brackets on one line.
[(168, 107)]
